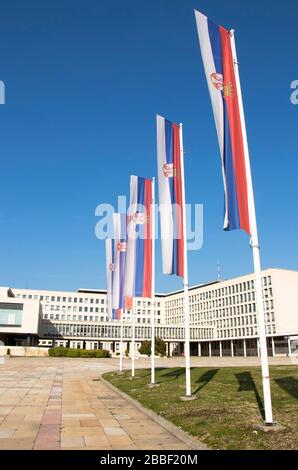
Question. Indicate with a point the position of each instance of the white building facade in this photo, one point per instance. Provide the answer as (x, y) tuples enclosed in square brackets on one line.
[(223, 317)]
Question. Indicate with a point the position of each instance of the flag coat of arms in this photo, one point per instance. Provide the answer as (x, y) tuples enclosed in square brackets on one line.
[(224, 89), (138, 271), (171, 195)]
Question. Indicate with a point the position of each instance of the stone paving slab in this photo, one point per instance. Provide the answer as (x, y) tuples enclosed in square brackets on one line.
[(58, 403)]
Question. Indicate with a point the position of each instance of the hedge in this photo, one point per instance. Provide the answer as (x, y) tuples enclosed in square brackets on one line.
[(70, 352)]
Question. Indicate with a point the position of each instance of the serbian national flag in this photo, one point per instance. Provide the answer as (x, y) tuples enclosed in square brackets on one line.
[(120, 243), (109, 275), (138, 271), (171, 196), (224, 88)]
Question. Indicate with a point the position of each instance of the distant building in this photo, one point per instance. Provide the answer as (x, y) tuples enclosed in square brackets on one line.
[(20, 319), (222, 317)]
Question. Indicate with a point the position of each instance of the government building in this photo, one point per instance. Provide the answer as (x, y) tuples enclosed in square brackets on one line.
[(223, 320)]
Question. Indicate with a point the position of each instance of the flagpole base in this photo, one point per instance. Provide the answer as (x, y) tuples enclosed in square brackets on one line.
[(270, 427), (188, 398), (153, 385)]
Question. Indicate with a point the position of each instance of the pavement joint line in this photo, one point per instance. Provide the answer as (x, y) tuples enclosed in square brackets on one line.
[(42, 424), (186, 438)]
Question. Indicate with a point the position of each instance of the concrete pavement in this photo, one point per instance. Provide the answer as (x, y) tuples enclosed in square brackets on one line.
[(59, 403)]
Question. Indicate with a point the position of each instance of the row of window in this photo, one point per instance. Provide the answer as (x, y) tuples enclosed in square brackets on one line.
[(62, 317), (146, 303), (58, 316), (242, 332), (231, 311), (221, 292), (59, 308), (56, 330), (54, 298)]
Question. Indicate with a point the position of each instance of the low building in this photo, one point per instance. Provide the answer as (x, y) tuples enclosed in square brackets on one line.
[(20, 320), (223, 319)]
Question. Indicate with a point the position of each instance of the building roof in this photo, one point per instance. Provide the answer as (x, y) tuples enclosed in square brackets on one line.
[(91, 291)]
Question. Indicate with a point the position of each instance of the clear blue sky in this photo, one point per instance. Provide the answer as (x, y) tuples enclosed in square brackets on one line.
[(84, 80)]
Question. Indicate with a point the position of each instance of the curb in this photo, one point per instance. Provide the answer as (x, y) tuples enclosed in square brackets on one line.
[(193, 443)]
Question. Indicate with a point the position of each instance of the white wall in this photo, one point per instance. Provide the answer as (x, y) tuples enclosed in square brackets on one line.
[(30, 317), (285, 294)]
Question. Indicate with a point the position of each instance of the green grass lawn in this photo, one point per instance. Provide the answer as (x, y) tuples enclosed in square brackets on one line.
[(228, 404)]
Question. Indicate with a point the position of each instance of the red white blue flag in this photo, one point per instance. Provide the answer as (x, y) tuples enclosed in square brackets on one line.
[(119, 244), (171, 195), (224, 89), (138, 272), (109, 275)]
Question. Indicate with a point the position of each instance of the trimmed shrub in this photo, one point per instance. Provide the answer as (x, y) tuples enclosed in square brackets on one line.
[(71, 352), (57, 352), (85, 353), (102, 353)]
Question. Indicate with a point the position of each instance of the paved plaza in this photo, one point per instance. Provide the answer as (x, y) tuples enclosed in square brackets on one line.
[(60, 403)]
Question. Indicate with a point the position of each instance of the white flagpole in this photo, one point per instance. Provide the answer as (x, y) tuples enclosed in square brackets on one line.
[(185, 279), (153, 284), (254, 242), (133, 340), (121, 344)]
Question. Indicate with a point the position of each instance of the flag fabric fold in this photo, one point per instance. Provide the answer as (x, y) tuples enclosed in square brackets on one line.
[(120, 245), (217, 55), (171, 196), (109, 275), (138, 271)]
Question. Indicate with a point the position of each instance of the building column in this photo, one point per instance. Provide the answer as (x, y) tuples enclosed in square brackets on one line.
[(258, 347), (220, 349), (232, 349), (244, 348), (289, 347), (199, 350), (273, 347), (210, 349)]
